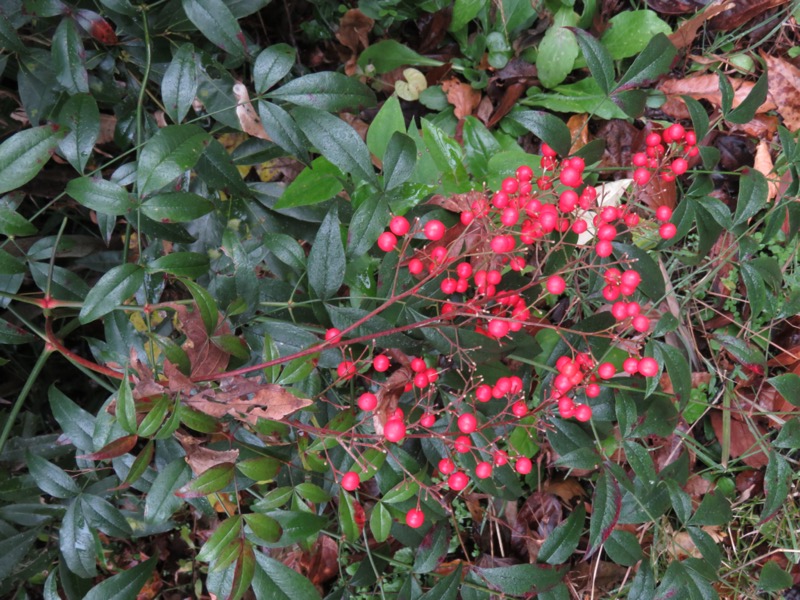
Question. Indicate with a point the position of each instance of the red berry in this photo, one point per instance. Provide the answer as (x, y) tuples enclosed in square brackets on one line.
[(580, 226), (592, 390), (663, 213), (510, 185), (547, 151), (462, 444), (556, 285), (500, 458), (421, 380), (483, 470), (641, 323), (676, 132), (439, 254), (427, 420), (399, 226), (432, 374), (498, 328), (333, 335), (434, 230), (667, 231), (619, 310), (690, 138), (351, 481), (524, 173), (631, 365), (493, 277), (448, 286), (648, 367), (583, 412), (641, 176), (606, 370), (346, 369), (467, 423), (510, 216), (516, 385), (394, 430), (570, 177), (519, 409), (418, 365), (523, 465), (415, 518), (679, 166), (446, 466), (380, 363), (652, 139), (639, 159), (387, 241), (631, 220), (464, 270), (415, 266), (467, 217), (458, 481), (483, 393), (603, 248), (631, 278), (367, 401)]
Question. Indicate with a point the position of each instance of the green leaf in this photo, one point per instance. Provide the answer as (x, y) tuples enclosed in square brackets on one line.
[(9, 39), (564, 539), (217, 23), (287, 250), (13, 334), (680, 500), (463, 12), (401, 492), (557, 53), (100, 195), (400, 160), (447, 587), (433, 548), (777, 480), (264, 527), (13, 550), (125, 585), (606, 506), (76, 542), (50, 590), (317, 183), (652, 284), (275, 581), (10, 265), (388, 55), (753, 191), (623, 548), (773, 578), (678, 369), (217, 169), (380, 522), (49, 478), (641, 463), (166, 155), (77, 424), (103, 515), (788, 386), (386, 123), (756, 290), (154, 417), (161, 500), (176, 207), (347, 522), (699, 116), (745, 112), (743, 351), (113, 288), (180, 83), (546, 127), (81, 117), (326, 260), (24, 154), (126, 408), (13, 224), (67, 52), (225, 536), (600, 63), (272, 65), (244, 571), (789, 435), (479, 146), (140, 463), (654, 60), (582, 96), (211, 480), (181, 264), (714, 509), (209, 312), (338, 142), (519, 580), (327, 90), (283, 130), (630, 31), (368, 222)]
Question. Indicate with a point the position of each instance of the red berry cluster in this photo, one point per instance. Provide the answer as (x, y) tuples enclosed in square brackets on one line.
[(667, 152)]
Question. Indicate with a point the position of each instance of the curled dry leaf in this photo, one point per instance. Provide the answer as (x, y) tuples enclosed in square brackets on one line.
[(206, 358), (764, 165), (269, 401), (413, 85), (388, 396), (680, 544), (704, 87), (740, 12), (248, 117), (579, 130), (462, 96), (353, 34), (201, 459), (684, 35), (743, 442), (784, 89)]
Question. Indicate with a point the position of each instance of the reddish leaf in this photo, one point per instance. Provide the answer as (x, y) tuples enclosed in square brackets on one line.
[(113, 449)]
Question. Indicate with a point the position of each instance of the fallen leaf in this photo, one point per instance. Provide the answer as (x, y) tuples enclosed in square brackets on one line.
[(206, 358), (413, 85), (704, 87), (388, 396), (507, 102), (764, 165), (354, 28), (201, 458), (462, 96), (784, 89), (743, 442), (566, 489), (579, 130), (741, 12), (277, 403), (685, 33), (269, 401), (248, 117), (680, 544), (760, 127)]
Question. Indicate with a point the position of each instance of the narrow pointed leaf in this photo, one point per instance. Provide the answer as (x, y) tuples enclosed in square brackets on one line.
[(606, 506), (327, 90), (113, 288), (81, 117), (215, 21), (68, 58), (211, 480), (275, 581), (76, 423), (166, 155), (564, 539), (113, 449), (180, 83), (227, 532), (125, 585), (272, 65), (100, 195), (24, 154), (77, 543), (600, 63), (51, 479)]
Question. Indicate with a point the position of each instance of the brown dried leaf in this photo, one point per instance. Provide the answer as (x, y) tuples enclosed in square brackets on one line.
[(704, 87), (760, 127), (200, 458), (577, 125), (784, 89), (743, 442), (388, 395), (507, 102), (461, 95), (354, 28), (657, 192), (248, 117), (205, 357), (269, 401), (277, 404), (684, 35), (680, 545), (741, 12), (764, 165), (321, 563), (566, 489)]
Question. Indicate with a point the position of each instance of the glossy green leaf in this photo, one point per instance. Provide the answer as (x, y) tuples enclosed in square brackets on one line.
[(113, 288), (244, 571), (755, 287), (177, 207), (287, 250), (337, 141), (209, 481), (479, 146), (275, 581), (10, 265), (432, 550), (557, 53), (380, 522), (272, 65), (181, 264), (14, 224), (446, 588), (582, 96), (623, 548), (215, 21), (161, 500), (347, 521), (630, 31), (23, 155), (652, 284), (680, 373), (264, 527), (103, 515), (326, 260), (51, 479), (209, 312), (753, 190), (745, 112), (224, 536), (217, 169), (9, 39), (68, 58), (281, 127), (140, 463), (50, 590), (63, 283), (546, 127), (368, 222), (519, 580), (125, 585), (773, 578), (327, 90), (653, 61), (600, 62), (606, 505), (388, 55), (788, 386), (680, 500), (699, 116), (777, 481), (155, 416), (399, 161), (740, 349), (100, 195), (180, 83), (76, 542), (13, 550), (564, 539), (464, 11), (296, 371), (386, 123), (81, 117), (77, 424), (714, 509), (316, 183), (166, 155), (401, 492), (13, 334), (126, 407)]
